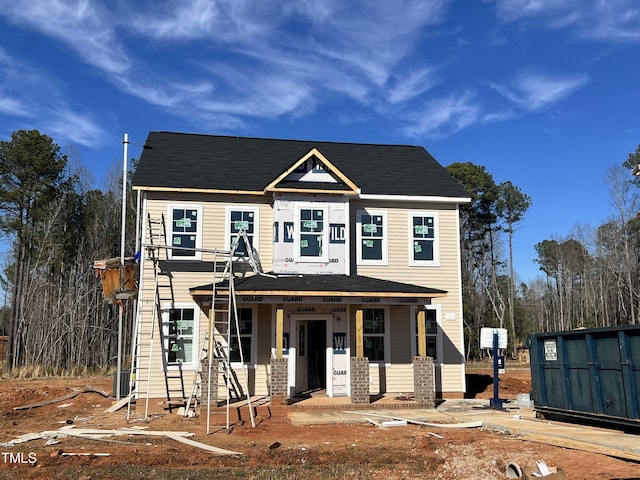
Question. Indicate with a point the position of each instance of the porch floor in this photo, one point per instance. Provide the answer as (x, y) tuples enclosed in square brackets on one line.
[(319, 400)]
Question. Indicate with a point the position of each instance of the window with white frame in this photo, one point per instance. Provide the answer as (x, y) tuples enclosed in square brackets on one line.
[(245, 330), (180, 328), (431, 332), (312, 233), (374, 331), (423, 237), (242, 219), (372, 237), (185, 231)]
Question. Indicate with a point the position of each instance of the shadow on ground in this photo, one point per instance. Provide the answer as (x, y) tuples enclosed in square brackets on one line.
[(477, 383)]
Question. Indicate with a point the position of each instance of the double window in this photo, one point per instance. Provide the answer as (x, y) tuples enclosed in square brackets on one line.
[(185, 231), (313, 233), (180, 329), (242, 219), (372, 237), (423, 238)]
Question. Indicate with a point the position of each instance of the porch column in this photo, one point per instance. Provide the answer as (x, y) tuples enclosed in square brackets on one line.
[(360, 366), (279, 378), (423, 370), (422, 333), (279, 330), (359, 333)]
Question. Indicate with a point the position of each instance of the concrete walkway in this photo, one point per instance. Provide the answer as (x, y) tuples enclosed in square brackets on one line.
[(514, 420)]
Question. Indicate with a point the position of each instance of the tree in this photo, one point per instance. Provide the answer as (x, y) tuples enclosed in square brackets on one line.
[(479, 248), (511, 206), (32, 174), (625, 200)]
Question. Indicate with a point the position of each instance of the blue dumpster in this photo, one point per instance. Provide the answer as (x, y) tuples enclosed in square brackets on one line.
[(588, 373)]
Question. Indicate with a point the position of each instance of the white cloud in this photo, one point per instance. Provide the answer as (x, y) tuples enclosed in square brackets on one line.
[(75, 127), (82, 25), (11, 106), (610, 20), (533, 91), (411, 85), (444, 116), (266, 58), (512, 10), (362, 40), (225, 21), (33, 99)]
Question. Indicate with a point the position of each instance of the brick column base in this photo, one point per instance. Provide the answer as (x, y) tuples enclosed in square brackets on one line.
[(424, 382), (279, 381), (205, 395), (360, 381)]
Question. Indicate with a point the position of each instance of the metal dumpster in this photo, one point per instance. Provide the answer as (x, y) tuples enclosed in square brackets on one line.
[(588, 373)]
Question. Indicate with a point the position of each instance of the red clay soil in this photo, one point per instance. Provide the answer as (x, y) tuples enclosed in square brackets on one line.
[(275, 449)]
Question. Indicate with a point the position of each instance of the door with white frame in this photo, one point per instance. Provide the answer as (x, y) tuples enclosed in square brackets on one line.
[(312, 349)]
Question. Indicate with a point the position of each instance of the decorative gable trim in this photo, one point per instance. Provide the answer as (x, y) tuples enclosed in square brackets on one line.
[(279, 184)]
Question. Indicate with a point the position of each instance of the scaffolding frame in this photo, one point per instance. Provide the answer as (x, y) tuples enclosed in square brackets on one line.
[(212, 351)]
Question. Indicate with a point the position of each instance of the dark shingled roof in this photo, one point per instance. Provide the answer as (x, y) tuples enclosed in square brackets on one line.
[(179, 160), (322, 284)]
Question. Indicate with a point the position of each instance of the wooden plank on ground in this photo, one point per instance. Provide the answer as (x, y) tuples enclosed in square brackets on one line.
[(474, 424), (204, 446), (75, 393), (119, 404)]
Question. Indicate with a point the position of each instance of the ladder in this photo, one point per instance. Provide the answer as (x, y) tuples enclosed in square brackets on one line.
[(163, 295), (223, 332)]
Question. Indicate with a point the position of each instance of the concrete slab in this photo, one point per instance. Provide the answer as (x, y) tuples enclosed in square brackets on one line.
[(515, 420)]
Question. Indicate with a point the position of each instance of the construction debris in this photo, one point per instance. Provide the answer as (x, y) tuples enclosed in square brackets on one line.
[(541, 470), (474, 424), (97, 434), (75, 393), (118, 405)]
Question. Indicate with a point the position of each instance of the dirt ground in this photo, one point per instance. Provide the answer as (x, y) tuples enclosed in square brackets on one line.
[(274, 449)]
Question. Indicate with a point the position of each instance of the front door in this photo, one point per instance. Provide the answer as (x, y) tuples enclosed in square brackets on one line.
[(311, 355)]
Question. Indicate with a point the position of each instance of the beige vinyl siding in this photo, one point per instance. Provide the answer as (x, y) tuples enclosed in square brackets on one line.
[(443, 277), (452, 378), (214, 218), (397, 374), (213, 224), (400, 378), (390, 378)]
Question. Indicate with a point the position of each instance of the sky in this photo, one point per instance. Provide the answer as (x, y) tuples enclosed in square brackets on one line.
[(542, 93)]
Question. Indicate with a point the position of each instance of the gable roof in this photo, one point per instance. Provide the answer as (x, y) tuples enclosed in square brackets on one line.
[(194, 162)]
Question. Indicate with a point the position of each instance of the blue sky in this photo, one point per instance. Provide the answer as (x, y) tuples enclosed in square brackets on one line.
[(543, 93)]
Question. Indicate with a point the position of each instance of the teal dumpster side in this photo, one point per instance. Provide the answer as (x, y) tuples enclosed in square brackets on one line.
[(588, 373)]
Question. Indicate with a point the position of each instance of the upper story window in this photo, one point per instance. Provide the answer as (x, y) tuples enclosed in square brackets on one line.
[(185, 232), (372, 234), (180, 329), (312, 233), (242, 219), (423, 237)]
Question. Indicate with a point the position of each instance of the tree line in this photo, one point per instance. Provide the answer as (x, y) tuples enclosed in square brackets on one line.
[(54, 314), (588, 279), (55, 227)]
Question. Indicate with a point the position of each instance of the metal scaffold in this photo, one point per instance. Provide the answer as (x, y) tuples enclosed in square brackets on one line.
[(222, 334)]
